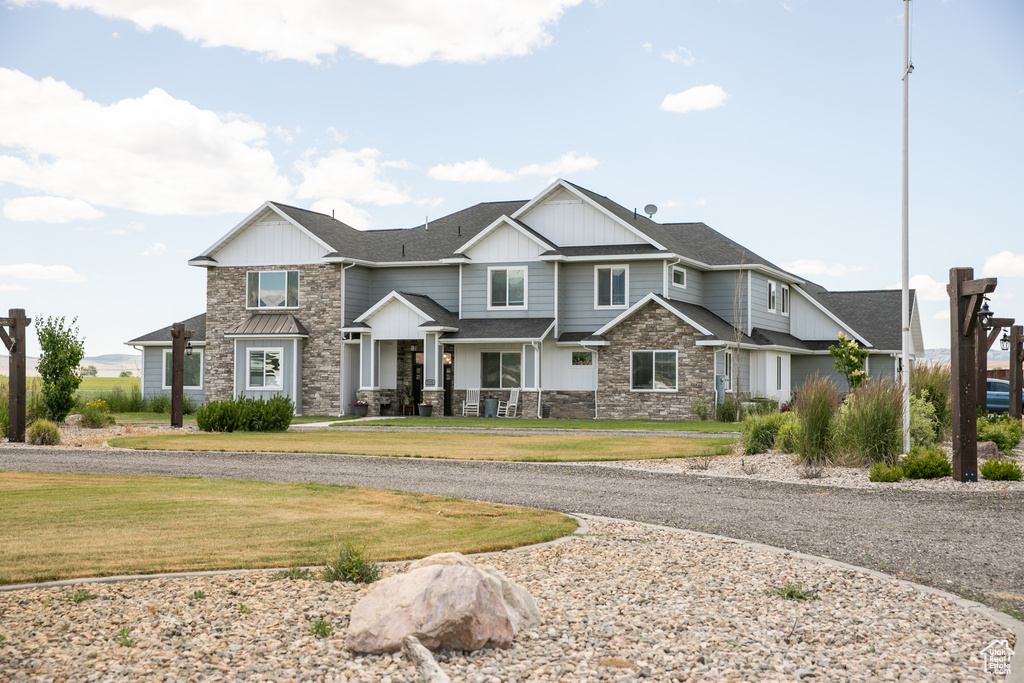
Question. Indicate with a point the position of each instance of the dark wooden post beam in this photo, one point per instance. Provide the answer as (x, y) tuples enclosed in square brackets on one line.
[(179, 335), (985, 340), (1016, 369), (965, 297), (14, 340)]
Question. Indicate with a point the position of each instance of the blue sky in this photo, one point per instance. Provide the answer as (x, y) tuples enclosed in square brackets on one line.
[(134, 134)]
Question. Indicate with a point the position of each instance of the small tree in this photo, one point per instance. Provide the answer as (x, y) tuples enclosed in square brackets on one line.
[(58, 365), (849, 361), (90, 371), (126, 373)]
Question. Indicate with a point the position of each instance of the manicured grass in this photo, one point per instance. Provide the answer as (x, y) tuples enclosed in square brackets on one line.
[(560, 448), (495, 423), (59, 526), (165, 418)]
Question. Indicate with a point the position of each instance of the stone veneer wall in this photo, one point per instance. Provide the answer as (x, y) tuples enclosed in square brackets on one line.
[(319, 311), (653, 328), (570, 405)]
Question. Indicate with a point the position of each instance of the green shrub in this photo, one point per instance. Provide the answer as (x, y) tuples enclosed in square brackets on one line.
[(35, 403), (43, 433), (94, 414), (924, 426), (933, 383), (728, 410), (760, 431), (246, 415), (701, 408), (925, 463), (872, 424), (5, 409), (883, 472), (1000, 469), (121, 401), (788, 438), (189, 406), (762, 406), (1004, 430), (816, 405), (322, 629), (161, 403), (350, 565)]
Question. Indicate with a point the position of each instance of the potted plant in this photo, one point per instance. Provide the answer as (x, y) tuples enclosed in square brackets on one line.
[(426, 409), (360, 406)]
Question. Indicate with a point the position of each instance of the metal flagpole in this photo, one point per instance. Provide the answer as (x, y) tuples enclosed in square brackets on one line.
[(907, 70)]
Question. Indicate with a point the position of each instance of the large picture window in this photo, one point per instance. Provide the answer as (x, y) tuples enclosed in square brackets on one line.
[(506, 287), (265, 369), (653, 370), (611, 284), (500, 370), (193, 369), (272, 289)]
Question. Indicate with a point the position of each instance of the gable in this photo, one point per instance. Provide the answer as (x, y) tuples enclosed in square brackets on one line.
[(505, 243), (269, 240), (569, 221), (395, 320)]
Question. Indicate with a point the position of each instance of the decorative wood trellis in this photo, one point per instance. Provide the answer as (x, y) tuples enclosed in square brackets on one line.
[(12, 333)]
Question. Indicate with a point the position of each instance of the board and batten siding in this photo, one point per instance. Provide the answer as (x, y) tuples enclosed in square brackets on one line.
[(764, 375), (270, 241), (803, 368), (559, 374), (357, 292), (568, 221), (576, 293), (540, 295), (396, 321), (808, 322), (725, 293), (153, 374), (760, 316), (693, 293), (289, 381), (505, 244)]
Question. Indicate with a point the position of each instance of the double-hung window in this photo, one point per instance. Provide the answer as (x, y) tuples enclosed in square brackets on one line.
[(265, 369), (653, 370), (772, 295), (500, 370), (611, 286), (784, 300), (193, 369), (506, 288), (272, 289)]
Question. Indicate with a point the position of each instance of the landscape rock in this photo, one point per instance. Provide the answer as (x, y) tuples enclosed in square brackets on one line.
[(987, 449), (520, 605), (444, 606), (420, 657)]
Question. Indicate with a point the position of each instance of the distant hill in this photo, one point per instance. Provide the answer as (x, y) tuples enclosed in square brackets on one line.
[(107, 365), (995, 356)]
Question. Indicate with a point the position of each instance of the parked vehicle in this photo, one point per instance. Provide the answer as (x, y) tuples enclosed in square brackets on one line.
[(998, 391)]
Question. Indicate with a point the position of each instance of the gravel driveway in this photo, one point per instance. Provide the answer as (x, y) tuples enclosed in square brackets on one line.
[(966, 543)]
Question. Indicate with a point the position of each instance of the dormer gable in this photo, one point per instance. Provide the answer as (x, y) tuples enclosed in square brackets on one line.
[(505, 240), (569, 218), (267, 237)]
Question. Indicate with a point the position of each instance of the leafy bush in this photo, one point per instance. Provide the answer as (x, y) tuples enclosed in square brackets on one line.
[(728, 410), (350, 565), (924, 426), (161, 403), (925, 463), (246, 415), (43, 433), (883, 472), (788, 438), (701, 408), (62, 351), (816, 406), (760, 431), (95, 415), (1004, 430), (849, 361), (1000, 469), (872, 424), (933, 383), (5, 409)]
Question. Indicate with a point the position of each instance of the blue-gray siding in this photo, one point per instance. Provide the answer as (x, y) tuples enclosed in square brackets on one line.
[(357, 292), (540, 294), (153, 374), (803, 368), (760, 316), (725, 294), (288, 365), (576, 293), (440, 283), (693, 293)]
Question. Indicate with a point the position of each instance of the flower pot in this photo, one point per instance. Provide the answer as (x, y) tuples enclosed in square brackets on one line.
[(359, 410), (425, 411)]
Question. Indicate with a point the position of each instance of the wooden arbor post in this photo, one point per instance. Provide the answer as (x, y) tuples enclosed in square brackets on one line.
[(986, 336), (1016, 369), (179, 335), (14, 339), (965, 297)]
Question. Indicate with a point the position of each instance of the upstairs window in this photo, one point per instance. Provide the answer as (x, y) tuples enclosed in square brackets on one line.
[(500, 370), (611, 284), (679, 276), (506, 287), (784, 300), (272, 289), (771, 296)]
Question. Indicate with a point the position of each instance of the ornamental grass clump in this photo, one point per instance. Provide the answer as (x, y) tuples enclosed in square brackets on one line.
[(43, 433), (728, 410), (872, 422), (925, 463), (816, 406), (351, 565), (934, 384), (5, 410), (760, 431)]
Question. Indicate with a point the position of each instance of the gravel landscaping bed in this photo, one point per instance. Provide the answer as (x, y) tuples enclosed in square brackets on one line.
[(623, 601)]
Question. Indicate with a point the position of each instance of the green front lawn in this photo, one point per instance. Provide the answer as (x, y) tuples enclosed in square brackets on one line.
[(526, 423), (165, 418)]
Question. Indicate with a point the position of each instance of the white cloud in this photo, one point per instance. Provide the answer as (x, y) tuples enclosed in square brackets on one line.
[(698, 98), (1004, 264), (155, 249), (819, 267), (12, 288), (646, 47), (350, 176), (34, 271), (481, 171), (679, 55), (343, 211), (941, 315), (927, 288), (401, 32), (49, 210), (153, 154)]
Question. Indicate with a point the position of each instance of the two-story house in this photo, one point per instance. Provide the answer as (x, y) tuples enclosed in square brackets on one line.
[(583, 304)]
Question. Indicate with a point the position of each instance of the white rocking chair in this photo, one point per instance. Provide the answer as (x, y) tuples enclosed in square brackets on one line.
[(472, 403), (508, 408)]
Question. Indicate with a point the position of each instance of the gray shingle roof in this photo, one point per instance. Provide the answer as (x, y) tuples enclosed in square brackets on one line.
[(873, 313), (720, 330), (571, 337), (196, 323), (437, 314), (269, 324), (501, 328)]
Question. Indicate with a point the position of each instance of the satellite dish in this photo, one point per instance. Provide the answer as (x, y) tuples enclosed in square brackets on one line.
[(650, 210)]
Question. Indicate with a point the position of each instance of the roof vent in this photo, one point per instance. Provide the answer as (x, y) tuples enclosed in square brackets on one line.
[(650, 210)]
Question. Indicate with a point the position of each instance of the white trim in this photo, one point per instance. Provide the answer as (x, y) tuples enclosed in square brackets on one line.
[(556, 300), (654, 390), (612, 306), (159, 343), (248, 365), (672, 277), (750, 317), (249, 220), (584, 343), (460, 291), (572, 190), (296, 380), (651, 297), (388, 298), (234, 373), (498, 222), (163, 370), (767, 270), (772, 304), (573, 364), (785, 300), (526, 289), (833, 317)]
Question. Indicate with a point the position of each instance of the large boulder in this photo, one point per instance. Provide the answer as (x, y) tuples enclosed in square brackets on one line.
[(520, 605), (444, 606), (987, 450)]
